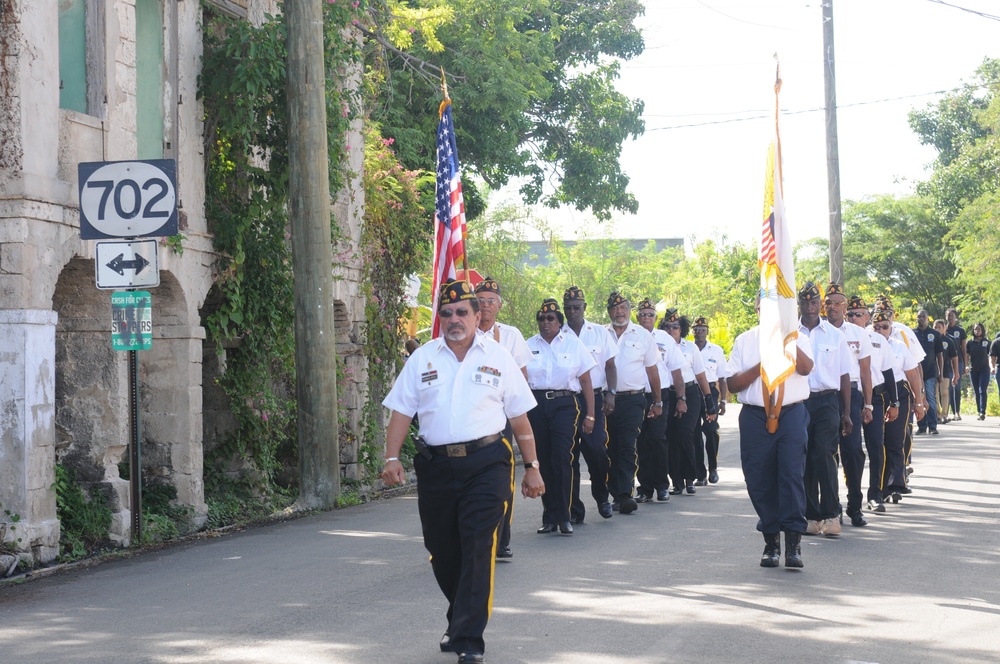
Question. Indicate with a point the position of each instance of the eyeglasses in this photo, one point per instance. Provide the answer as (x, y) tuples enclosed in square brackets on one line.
[(671, 326), (830, 303), (572, 307), (856, 314), (488, 302), (646, 315), (550, 318), (883, 326), (461, 313)]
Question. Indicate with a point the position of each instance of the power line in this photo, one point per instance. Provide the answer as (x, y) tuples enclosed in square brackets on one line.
[(798, 112), (992, 17)]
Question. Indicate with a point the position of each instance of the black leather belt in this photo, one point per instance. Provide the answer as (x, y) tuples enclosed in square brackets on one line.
[(821, 393), (764, 410), (879, 389), (463, 449), (854, 385), (690, 383), (554, 394), (625, 393)]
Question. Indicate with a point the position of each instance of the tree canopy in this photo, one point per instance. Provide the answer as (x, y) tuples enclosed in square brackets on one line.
[(533, 85)]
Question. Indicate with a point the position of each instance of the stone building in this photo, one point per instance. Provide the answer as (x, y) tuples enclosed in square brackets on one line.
[(108, 80)]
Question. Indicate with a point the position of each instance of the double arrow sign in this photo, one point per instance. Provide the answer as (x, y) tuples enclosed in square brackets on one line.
[(123, 264)]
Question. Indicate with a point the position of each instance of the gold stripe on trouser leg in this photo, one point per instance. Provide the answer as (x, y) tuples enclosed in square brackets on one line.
[(908, 434), (572, 480), (496, 531), (881, 475)]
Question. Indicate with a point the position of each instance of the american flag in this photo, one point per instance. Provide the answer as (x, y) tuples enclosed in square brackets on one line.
[(449, 209)]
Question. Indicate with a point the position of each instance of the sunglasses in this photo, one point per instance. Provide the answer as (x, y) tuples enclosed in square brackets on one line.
[(834, 304), (550, 318), (856, 314), (572, 307), (644, 315), (883, 326), (461, 312), (671, 326), (488, 302)]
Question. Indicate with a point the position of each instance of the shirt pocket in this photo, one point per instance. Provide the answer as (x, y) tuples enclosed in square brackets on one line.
[(566, 360), (633, 350), (826, 354)]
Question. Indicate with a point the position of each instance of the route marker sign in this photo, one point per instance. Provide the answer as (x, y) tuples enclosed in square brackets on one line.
[(127, 199), (127, 264), (132, 320)]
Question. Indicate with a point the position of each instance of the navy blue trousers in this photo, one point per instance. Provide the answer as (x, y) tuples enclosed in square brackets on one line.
[(875, 444), (461, 501), (774, 467), (822, 489), (623, 429), (553, 422), (681, 434), (852, 455), (710, 432), (594, 448), (894, 476), (651, 449)]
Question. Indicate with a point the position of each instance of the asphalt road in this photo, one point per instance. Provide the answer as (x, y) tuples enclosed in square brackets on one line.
[(675, 582)]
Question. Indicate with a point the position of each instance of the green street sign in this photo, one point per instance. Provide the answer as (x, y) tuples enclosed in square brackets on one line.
[(131, 320)]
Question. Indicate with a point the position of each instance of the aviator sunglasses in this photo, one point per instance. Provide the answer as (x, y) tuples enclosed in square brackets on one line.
[(461, 312)]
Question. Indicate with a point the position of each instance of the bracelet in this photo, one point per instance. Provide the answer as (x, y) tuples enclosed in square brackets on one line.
[(388, 459), (919, 405), (868, 406), (590, 417), (657, 404)]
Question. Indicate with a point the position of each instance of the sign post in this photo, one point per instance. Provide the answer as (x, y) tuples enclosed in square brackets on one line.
[(129, 199)]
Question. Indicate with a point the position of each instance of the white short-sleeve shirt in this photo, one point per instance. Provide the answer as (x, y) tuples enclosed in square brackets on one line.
[(715, 362), (881, 357), (636, 351), (902, 359), (510, 338), (746, 353), (670, 358), (602, 347), (693, 364), (558, 365), (831, 356), (860, 345), (905, 334), (460, 401)]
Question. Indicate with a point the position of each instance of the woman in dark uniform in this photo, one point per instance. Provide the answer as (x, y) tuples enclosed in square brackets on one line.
[(978, 351)]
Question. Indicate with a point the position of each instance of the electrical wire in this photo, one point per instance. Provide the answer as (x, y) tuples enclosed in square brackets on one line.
[(992, 17)]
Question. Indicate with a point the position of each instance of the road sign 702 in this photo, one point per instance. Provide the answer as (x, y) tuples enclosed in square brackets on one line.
[(128, 199)]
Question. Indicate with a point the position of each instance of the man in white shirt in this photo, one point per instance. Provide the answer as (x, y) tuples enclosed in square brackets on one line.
[(604, 377), (635, 364), (773, 463), (464, 388), (829, 406), (852, 454), (715, 372), (508, 336)]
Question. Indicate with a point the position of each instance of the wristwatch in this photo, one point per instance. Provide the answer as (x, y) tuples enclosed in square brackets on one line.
[(682, 397), (894, 404), (657, 404), (868, 406), (528, 465), (590, 417)]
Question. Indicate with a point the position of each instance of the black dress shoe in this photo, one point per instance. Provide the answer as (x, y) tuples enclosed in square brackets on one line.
[(676, 491), (700, 483), (605, 510), (615, 506), (628, 505), (576, 520), (504, 552), (566, 528), (919, 432), (662, 495), (446, 643), (905, 490), (858, 519), (547, 528), (641, 497), (471, 658), (713, 476), (690, 488)]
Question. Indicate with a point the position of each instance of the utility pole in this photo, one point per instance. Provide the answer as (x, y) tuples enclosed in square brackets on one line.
[(832, 149), (312, 258)]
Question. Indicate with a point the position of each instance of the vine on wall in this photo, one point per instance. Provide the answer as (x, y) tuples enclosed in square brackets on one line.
[(246, 126), (395, 242)]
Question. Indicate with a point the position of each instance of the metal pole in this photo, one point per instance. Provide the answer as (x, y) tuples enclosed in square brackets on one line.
[(312, 258), (135, 452), (832, 149)]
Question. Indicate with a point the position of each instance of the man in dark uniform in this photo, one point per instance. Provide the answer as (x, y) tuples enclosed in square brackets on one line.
[(958, 335), (773, 463), (933, 367), (465, 471), (594, 445)]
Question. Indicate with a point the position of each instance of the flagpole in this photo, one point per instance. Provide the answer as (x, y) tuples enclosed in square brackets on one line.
[(465, 233)]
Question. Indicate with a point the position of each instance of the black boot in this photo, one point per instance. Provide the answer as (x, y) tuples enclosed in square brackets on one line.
[(772, 550), (793, 552)]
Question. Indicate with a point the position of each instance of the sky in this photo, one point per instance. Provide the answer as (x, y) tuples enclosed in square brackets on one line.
[(708, 68)]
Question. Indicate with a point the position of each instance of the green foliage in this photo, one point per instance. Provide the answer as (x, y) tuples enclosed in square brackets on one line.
[(239, 501), (975, 237), (395, 242), (243, 87), (84, 517), (533, 84), (8, 534), (892, 245)]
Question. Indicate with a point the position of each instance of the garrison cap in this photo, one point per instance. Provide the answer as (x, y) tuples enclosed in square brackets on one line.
[(809, 292), (882, 316), (671, 315), (615, 299), (574, 294), (856, 302), (488, 285), (883, 302), (700, 321), (549, 306), (646, 304), (453, 291), (835, 289)]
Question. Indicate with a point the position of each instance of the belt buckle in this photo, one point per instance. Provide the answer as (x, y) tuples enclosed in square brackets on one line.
[(457, 450), (548, 395)]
